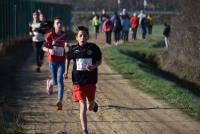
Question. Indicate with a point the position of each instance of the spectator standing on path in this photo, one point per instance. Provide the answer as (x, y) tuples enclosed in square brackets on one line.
[(37, 34), (117, 27), (140, 16), (134, 25), (86, 58), (144, 27), (125, 27), (96, 24), (107, 28), (56, 47), (103, 18), (166, 34), (150, 23)]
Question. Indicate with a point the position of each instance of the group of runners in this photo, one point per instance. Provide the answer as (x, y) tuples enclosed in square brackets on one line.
[(50, 38)]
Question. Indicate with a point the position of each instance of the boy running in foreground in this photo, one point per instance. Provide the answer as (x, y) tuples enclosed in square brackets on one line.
[(86, 57)]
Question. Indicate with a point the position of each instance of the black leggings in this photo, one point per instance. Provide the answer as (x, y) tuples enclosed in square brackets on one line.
[(134, 33), (38, 52), (108, 37)]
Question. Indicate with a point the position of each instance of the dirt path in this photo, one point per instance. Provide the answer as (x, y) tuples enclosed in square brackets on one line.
[(122, 108)]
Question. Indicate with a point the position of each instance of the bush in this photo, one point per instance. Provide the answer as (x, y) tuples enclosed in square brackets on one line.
[(184, 50)]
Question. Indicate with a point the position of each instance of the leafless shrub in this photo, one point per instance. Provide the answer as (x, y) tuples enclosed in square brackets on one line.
[(184, 50)]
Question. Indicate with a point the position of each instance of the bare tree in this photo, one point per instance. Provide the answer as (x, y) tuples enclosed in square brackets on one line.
[(112, 4)]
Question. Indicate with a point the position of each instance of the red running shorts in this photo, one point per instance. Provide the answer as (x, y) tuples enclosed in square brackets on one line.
[(81, 92)]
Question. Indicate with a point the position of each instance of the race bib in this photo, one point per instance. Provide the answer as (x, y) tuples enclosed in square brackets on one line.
[(58, 51), (82, 63)]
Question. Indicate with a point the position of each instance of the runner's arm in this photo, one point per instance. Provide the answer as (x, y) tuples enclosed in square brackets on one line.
[(98, 58), (92, 67), (68, 59), (30, 30), (65, 75), (46, 49), (47, 46)]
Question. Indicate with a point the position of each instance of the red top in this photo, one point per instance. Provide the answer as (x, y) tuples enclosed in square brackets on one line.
[(57, 43), (134, 22), (107, 26)]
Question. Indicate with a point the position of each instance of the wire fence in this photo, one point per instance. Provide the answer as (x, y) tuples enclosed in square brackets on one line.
[(16, 14)]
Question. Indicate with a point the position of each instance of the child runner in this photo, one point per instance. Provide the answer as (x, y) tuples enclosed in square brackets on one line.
[(86, 57), (56, 44), (37, 34)]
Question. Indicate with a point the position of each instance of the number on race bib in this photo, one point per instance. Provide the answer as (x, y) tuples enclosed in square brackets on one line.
[(82, 63), (58, 51)]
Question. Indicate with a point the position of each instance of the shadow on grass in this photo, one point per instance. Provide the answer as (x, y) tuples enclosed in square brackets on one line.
[(149, 65)]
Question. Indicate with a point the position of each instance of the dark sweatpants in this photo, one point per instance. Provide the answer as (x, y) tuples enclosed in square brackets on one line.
[(108, 37), (38, 52)]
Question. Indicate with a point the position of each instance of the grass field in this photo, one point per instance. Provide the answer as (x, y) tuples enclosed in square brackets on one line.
[(139, 61)]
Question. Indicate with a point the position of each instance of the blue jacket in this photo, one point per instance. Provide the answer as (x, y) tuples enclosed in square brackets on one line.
[(126, 24)]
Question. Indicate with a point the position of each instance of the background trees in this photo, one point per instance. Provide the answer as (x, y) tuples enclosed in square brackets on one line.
[(112, 4)]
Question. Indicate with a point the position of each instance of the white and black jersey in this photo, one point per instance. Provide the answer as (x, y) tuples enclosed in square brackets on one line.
[(36, 29)]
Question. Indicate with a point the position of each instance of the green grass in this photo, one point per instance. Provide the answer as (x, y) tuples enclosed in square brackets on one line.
[(136, 61)]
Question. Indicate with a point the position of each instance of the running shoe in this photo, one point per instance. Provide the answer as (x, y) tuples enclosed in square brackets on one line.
[(95, 109), (49, 87), (38, 69), (59, 105), (85, 131)]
